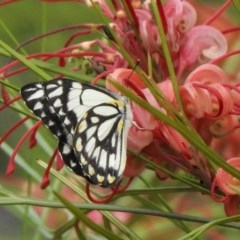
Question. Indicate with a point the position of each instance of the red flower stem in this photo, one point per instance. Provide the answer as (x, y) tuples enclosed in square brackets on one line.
[(13, 73), (11, 165), (49, 55), (231, 30), (133, 15), (10, 130), (45, 180), (218, 12), (7, 2), (117, 188), (72, 37), (59, 162), (115, 4), (73, 27), (5, 94), (10, 102), (162, 15), (99, 201), (100, 76), (224, 57)]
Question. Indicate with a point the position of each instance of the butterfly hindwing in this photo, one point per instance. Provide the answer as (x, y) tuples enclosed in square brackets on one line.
[(69, 157), (79, 112), (99, 143)]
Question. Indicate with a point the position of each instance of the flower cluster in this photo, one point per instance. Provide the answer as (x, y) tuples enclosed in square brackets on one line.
[(208, 96)]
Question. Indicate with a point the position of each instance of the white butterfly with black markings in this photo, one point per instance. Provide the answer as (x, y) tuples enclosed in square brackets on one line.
[(90, 123)]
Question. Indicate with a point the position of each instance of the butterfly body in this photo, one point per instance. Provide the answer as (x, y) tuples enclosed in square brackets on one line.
[(90, 123)]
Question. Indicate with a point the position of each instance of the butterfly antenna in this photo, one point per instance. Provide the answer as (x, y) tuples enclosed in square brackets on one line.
[(136, 65)]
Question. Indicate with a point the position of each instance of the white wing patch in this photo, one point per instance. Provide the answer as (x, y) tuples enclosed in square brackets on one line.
[(89, 97), (105, 110), (105, 128), (38, 94), (38, 106), (57, 92)]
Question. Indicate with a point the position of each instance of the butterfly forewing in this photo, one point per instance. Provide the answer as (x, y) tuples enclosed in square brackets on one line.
[(90, 123)]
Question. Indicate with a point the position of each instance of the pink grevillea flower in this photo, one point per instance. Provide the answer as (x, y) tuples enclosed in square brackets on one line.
[(232, 205), (200, 44), (231, 149), (229, 186), (153, 134), (142, 125), (181, 17), (225, 181), (218, 100), (182, 34), (206, 83)]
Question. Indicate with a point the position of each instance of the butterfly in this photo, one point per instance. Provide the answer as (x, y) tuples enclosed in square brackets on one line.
[(90, 123)]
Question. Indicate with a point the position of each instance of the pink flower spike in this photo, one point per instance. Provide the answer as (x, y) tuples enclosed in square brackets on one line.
[(166, 88), (226, 182), (143, 119), (213, 195), (188, 17), (200, 44), (207, 83), (135, 134), (219, 100), (190, 97), (224, 98), (231, 205), (224, 126), (207, 74), (181, 16), (175, 140)]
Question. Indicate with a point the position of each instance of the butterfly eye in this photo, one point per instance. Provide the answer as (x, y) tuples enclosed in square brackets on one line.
[(90, 123)]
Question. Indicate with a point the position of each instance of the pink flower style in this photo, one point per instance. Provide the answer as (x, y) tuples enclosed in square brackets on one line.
[(209, 97)]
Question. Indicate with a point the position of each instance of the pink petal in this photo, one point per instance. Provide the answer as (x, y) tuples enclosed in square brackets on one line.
[(202, 43)]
